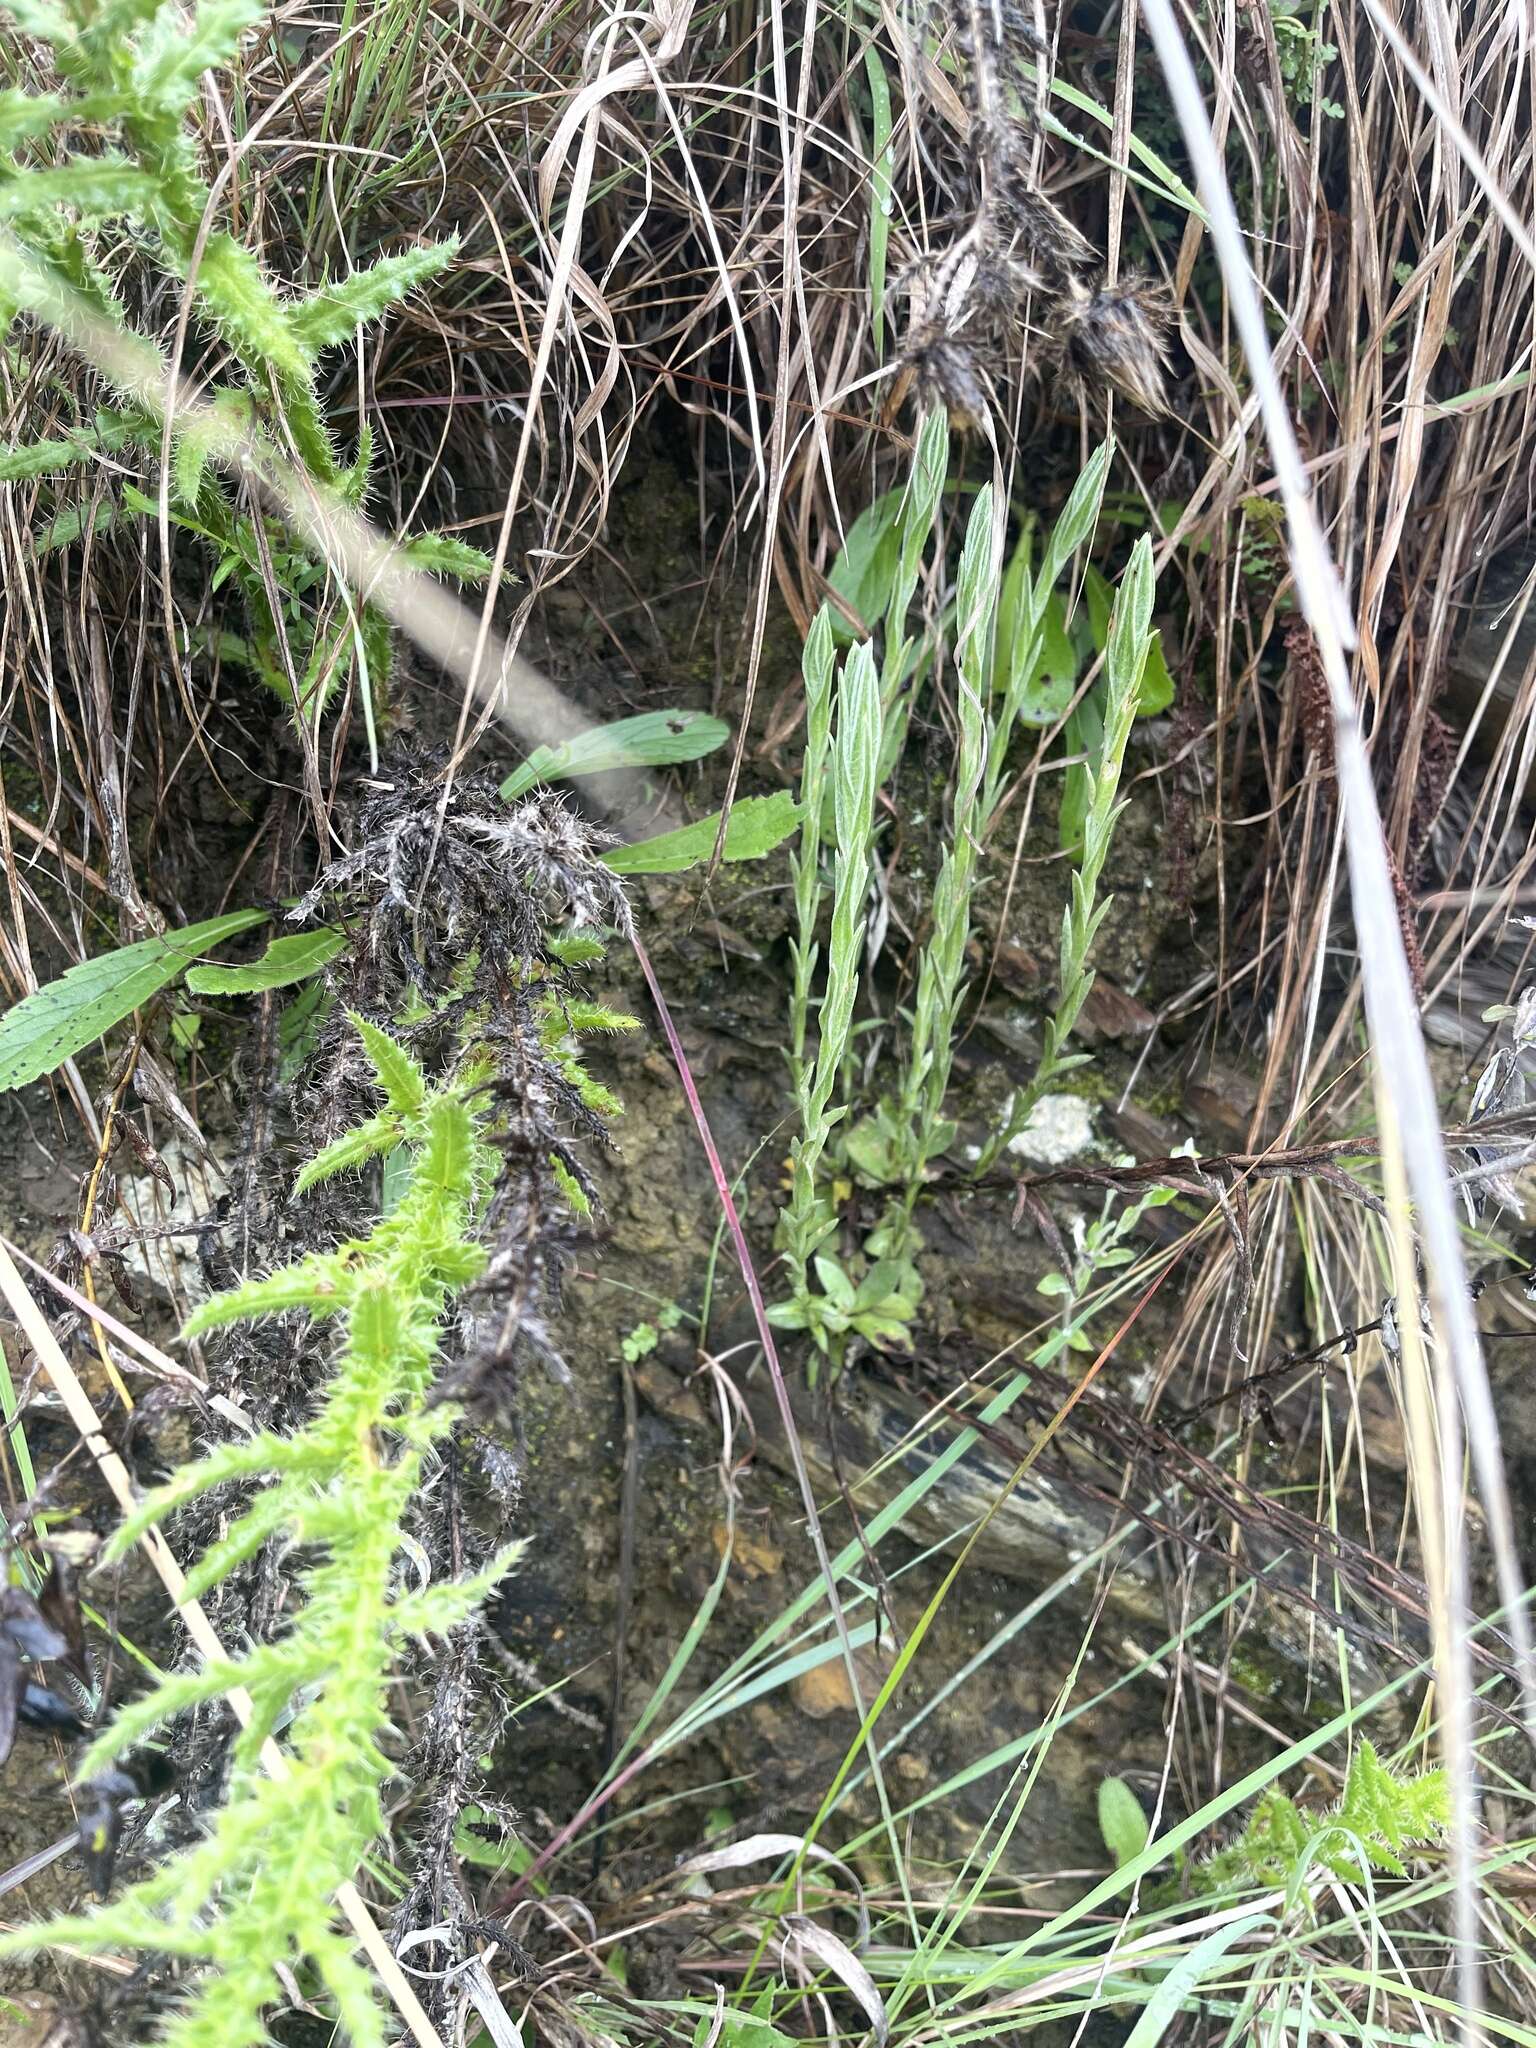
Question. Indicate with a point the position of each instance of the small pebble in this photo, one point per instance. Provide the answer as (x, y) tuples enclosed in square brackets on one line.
[(1060, 1129)]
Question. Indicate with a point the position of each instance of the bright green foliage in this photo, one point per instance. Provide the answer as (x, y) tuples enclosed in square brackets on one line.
[(756, 826), (1127, 652), (1015, 664), (62, 1017), (293, 957), (561, 1018), (259, 1890), (1122, 1822), (1380, 1816), (651, 739), (132, 70), (850, 758), (1099, 1247)]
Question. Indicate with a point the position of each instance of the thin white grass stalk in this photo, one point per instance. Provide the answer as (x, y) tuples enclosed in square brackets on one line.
[(445, 629), (483, 672), (1125, 661), (77, 1406), (1404, 1088), (791, 301)]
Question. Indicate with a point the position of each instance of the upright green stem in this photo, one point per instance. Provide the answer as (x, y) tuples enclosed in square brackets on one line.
[(1130, 640), (855, 763)]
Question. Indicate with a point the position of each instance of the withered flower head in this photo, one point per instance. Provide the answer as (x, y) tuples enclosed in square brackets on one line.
[(437, 875), (1115, 337), (948, 371)]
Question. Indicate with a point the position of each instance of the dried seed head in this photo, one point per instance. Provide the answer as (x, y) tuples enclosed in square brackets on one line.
[(1116, 338), (949, 372)]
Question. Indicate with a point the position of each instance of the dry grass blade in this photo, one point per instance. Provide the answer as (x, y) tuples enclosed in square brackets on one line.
[(1405, 1095)]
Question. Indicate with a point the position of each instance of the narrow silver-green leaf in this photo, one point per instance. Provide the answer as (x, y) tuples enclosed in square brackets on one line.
[(64, 1016), (292, 958), (1184, 1979), (653, 739), (1079, 515)]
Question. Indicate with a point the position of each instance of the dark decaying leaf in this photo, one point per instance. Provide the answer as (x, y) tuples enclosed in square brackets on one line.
[(27, 1628), (59, 1605), (42, 1707), (99, 1806)]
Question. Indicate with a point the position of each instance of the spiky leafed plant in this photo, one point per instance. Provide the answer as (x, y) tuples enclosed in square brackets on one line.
[(259, 1891), (74, 219), (428, 1307)]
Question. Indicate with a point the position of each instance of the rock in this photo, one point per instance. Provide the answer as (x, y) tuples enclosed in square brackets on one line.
[(824, 1689), (1110, 1013), (1222, 1097), (1060, 1128), (751, 1556)]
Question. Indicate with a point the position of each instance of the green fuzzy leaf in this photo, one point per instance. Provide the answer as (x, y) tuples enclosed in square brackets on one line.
[(403, 1082), (28, 459), (653, 739), (319, 1284), (571, 1189), (65, 1016), (24, 115), (437, 1609), (294, 957), (356, 1147), (332, 315), (1121, 1820), (757, 825), (439, 554), (574, 949), (232, 287), (1080, 514), (97, 188), (181, 45)]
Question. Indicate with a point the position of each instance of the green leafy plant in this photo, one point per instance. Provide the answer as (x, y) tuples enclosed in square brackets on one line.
[(58, 1020), (72, 221), (1015, 664), (756, 826), (1128, 649), (1380, 1816), (1102, 1245), (651, 739), (257, 1893), (1122, 1822), (843, 756), (642, 1340)]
